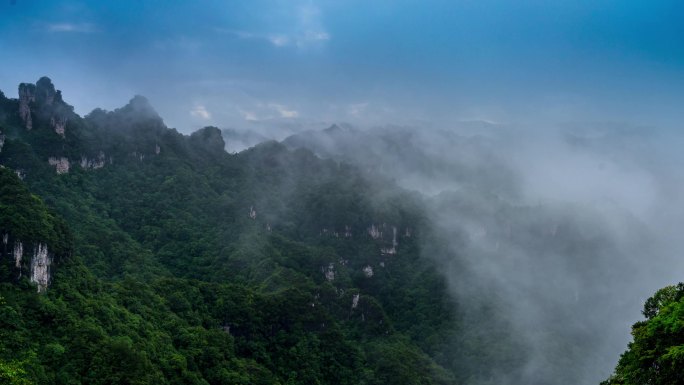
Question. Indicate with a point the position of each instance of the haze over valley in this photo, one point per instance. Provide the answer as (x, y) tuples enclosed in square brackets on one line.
[(329, 192)]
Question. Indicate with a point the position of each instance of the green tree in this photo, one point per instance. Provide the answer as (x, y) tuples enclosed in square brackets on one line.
[(13, 373), (656, 354)]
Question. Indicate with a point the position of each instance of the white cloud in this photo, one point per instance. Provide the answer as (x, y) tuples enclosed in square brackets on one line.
[(199, 111), (311, 37), (276, 39), (71, 27), (284, 111), (309, 26), (318, 35), (356, 109), (248, 115), (300, 39), (260, 112), (301, 28), (279, 40)]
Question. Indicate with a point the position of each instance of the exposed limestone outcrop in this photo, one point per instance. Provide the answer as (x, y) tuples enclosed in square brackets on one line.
[(32, 238), (329, 271), (374, 232), (93, 163), (40, 267), (41, 101), (2, 140), (61, 164), (59, 125), (27, 95), (18, 254), (39, 263), (388, 250), (391, 250), (368, 271)]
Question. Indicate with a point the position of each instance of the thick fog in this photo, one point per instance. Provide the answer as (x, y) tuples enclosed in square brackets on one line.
[(551, 238)]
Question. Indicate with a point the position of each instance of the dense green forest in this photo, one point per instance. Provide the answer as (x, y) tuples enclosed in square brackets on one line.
[(134, 254), (656, 354), (167, 260)]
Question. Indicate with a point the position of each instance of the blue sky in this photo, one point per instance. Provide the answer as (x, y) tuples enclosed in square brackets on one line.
[(236, 63)]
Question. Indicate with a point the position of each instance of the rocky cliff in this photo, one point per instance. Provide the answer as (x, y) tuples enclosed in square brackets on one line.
[(29, 233), (43, 103)]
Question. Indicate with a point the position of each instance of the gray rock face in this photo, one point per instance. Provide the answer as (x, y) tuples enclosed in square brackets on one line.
[(43, 101), (329, 271), (368, 271), (40, 267), (59, 125), (61, 164), (94, 163), (18, 254), (39, 263), (374, 232), (27, 95)]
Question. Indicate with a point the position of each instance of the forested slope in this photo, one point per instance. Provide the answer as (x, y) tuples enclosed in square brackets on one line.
[(656, 354), (175, 262)]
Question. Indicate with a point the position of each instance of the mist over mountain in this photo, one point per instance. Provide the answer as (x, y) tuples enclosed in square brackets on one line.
[(252, 132), (341, 192), (561, 233), (134, 254), (482, 253)]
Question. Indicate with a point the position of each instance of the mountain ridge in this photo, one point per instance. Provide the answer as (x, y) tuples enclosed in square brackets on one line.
[(291, 262), (168, 226)]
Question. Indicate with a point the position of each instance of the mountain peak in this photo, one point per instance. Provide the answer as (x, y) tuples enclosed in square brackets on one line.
[(210, 138), (46, 93), (42, 98), (141, 104), (338, 128), (138, 107)]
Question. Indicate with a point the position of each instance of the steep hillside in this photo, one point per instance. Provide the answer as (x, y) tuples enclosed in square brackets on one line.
[(33, 238), (186, 264), (536, 279)]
